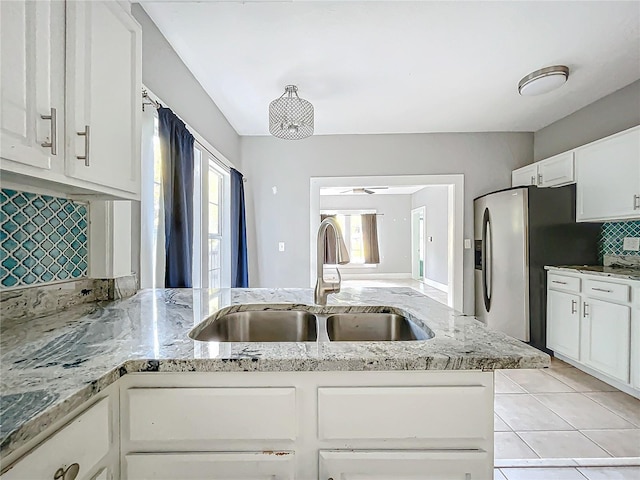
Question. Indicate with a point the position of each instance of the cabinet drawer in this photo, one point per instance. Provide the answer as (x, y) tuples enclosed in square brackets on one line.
[(210, 466), (610, 291), (84, 441), (563, 282), (406, 464), (172, 414), (445, 412)]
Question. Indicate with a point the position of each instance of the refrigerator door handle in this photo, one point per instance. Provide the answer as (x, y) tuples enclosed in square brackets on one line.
[(486, 259)]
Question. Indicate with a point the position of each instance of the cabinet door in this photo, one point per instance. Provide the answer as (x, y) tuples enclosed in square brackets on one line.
[(525, 176), (85, 441), (210, 466), (32, 79), (608, 178), (103, 95), (563, 323), (556, 171), (606, 337), (405, 465)]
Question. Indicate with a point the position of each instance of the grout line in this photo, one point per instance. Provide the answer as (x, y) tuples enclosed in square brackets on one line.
[(605, 406)]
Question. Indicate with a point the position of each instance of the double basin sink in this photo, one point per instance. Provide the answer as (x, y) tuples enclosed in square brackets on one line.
[(288, 325)]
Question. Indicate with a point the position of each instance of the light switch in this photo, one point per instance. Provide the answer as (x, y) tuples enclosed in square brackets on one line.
[(467, 243), (281, 246), (631, 244)]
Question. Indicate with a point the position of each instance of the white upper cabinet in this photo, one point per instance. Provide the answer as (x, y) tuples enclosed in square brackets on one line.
[(556, 171), (551, 172), (32, 83), (608, 178), (103, 95), (71, 97), (527, 175)]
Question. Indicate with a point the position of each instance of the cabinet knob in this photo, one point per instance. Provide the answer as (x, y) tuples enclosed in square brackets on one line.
[(574, 306), (585, 312), (539, 179), (70, 473), (636, 202)]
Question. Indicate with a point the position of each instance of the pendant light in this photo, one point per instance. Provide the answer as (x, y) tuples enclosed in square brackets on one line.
[(290, 117)]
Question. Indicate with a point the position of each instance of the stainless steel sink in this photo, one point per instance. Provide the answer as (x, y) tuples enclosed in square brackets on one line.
[(372, 327), (261, 326)]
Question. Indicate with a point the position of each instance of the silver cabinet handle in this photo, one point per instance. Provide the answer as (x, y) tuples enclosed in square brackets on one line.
[(585, 312), (87, 145), (602, 290), (636, 202), (533, 180), (574, 306), (539, 179), (558, 281), (53, 144), (70, 473)]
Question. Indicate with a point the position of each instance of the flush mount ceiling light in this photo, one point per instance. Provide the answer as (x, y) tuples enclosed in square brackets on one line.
[(543, 80), (290, 117)]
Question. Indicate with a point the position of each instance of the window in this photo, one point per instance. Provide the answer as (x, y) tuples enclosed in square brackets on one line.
[(350, 222), (211, 192)]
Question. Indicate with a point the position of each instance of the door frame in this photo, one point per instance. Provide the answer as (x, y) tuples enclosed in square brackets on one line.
[(415, 273)]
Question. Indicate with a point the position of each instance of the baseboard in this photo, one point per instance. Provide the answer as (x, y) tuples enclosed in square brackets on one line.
[(440, 286), (600, 376), (374, 276)]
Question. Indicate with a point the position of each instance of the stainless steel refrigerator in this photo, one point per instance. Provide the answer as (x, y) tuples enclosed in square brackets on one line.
[(517, 232)]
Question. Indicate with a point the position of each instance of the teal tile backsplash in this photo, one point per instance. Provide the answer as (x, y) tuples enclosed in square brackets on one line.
[(613, 234), (43, 239)]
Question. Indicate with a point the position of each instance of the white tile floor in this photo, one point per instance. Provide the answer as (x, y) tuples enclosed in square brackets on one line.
[(552, 421)]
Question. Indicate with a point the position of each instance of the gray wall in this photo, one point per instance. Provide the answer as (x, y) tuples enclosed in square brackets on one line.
[(165, 75), (486, 160), (394, 228), (436, 201), (611, 114)]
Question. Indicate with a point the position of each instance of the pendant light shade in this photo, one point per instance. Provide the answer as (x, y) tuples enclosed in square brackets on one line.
[(543, 80), (290, 117)]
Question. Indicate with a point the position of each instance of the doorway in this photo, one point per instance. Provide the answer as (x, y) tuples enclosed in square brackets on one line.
[(418, 250), (452, 250)]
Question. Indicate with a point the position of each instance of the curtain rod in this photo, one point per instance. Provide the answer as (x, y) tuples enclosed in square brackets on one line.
[(148, 99)]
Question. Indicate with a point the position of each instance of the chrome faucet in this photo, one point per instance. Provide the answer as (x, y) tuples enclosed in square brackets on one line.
[(323, 288)]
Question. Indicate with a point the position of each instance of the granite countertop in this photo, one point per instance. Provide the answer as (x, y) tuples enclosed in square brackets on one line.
[(626, 273), (53, 364)]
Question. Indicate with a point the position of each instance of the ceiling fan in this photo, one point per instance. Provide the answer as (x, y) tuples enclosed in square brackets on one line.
[(368, 190)]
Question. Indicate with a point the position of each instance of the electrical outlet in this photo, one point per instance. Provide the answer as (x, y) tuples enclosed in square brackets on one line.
[(631, 244), (281, 246)]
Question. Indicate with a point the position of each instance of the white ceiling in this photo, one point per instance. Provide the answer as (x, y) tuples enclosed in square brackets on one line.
[(378, 189), (403, 67)]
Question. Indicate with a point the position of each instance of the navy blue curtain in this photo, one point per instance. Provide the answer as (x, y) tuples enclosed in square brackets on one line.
[(176, 147), (239, 266)]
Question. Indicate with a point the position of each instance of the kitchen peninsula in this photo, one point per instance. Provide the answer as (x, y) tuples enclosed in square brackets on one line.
[(124, 387)]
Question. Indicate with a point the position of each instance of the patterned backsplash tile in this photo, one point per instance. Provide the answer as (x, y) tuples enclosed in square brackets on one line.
[(43, 239), (613, 234)]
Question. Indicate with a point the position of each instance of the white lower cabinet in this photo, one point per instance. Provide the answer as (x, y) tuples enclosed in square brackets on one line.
[(606, 337), (211, 466), (563, 333), (404, 465), (86, 441), (593, 322)]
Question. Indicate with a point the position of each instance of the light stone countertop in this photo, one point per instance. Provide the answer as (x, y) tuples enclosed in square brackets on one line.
[(625, 273), (51, 365)]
